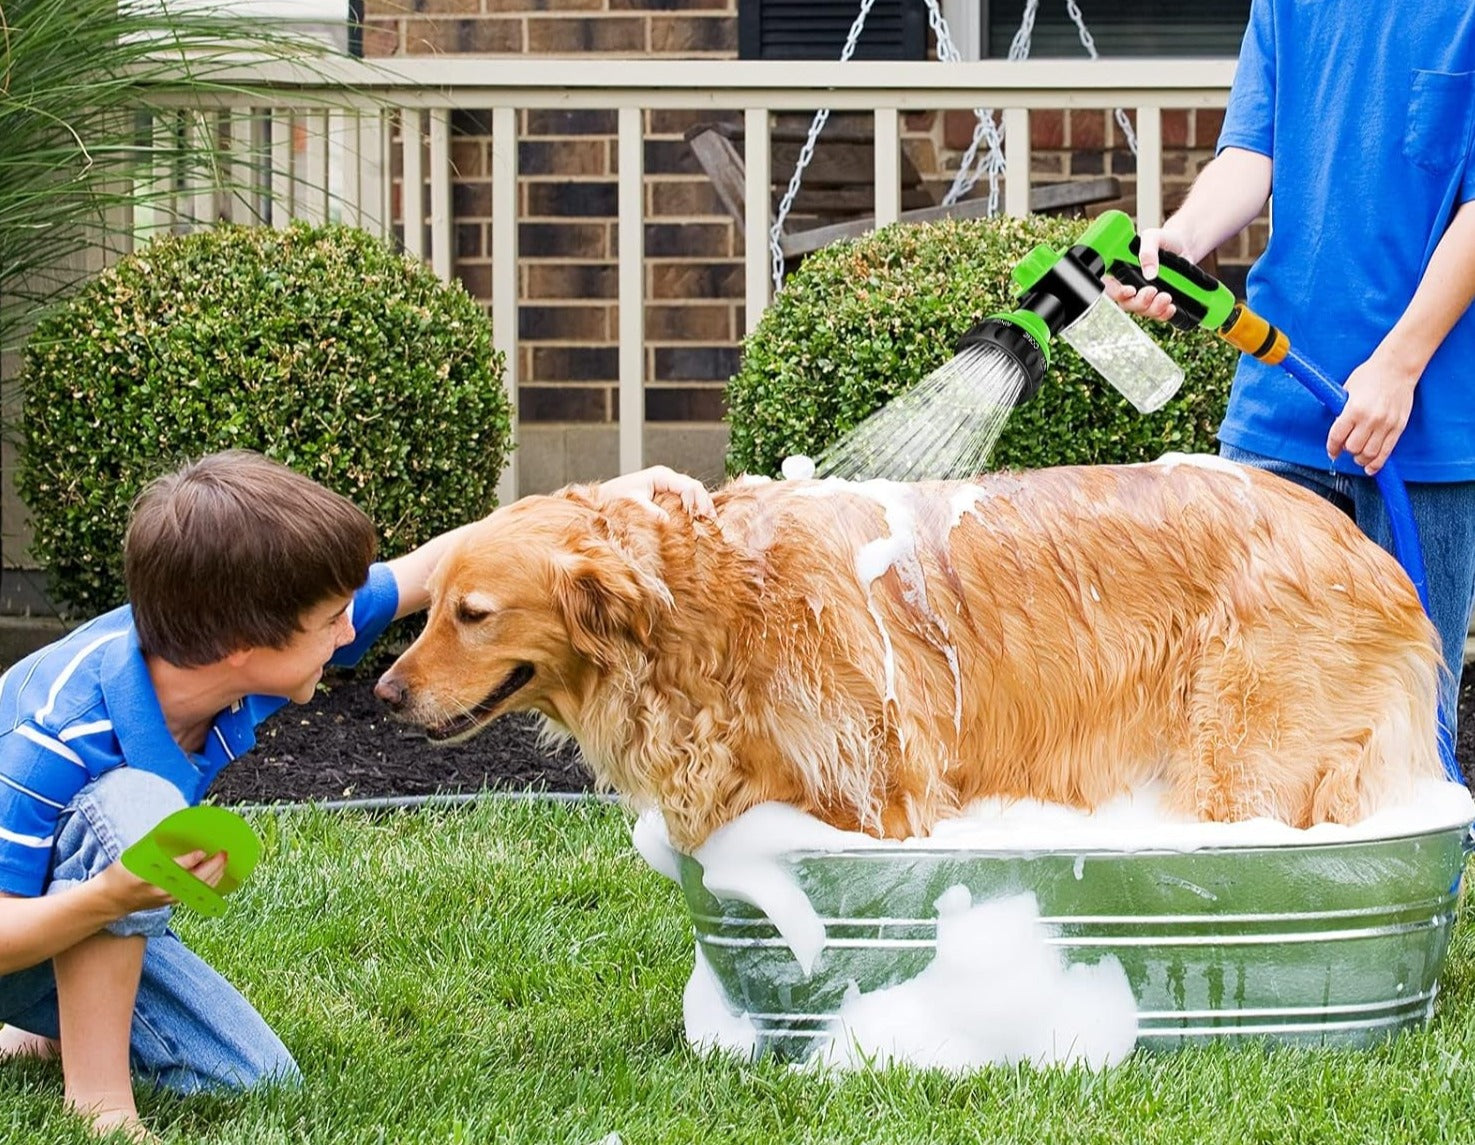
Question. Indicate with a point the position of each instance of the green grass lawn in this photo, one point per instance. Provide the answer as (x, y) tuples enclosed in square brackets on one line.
[(513, 972)]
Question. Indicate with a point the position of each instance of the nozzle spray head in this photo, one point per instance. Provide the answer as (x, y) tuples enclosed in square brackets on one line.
[(1021, 335), (1055, 289)]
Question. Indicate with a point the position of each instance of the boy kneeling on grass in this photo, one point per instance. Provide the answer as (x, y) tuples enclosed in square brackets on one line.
[(245, 580)]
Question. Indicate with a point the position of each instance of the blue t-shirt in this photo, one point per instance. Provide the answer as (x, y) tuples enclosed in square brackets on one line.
[(86, 705), (1367, 111)]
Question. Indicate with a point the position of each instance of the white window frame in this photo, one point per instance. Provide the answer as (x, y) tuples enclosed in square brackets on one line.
[(965, 23)]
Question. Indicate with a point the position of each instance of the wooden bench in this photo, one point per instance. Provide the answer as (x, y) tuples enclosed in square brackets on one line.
[(836, 196)]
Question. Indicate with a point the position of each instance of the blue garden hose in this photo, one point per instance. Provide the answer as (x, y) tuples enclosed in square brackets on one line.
[(1406, 545)]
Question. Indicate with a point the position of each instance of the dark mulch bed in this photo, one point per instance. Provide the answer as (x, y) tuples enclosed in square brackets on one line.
[(343, 745)]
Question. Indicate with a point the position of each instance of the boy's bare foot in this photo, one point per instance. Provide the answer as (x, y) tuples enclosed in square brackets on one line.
[(116, 1121), (15, 1043)]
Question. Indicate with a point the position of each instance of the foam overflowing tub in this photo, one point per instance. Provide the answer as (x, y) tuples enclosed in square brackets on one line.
[(981, 943)]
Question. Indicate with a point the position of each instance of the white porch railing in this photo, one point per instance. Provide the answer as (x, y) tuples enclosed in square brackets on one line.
[(314, 141)]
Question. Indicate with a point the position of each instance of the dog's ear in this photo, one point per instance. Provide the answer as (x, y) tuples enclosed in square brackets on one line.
[(606, 600)]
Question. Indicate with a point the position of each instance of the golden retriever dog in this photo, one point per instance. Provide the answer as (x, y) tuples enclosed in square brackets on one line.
[(880, 654)]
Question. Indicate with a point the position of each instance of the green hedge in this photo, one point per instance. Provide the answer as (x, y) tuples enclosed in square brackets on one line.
[(318, 346), (863, 321)]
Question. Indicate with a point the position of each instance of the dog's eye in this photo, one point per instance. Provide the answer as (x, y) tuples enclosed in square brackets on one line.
[(470, 614)]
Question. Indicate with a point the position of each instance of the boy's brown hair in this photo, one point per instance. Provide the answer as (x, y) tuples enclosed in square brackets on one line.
[(230, 551)]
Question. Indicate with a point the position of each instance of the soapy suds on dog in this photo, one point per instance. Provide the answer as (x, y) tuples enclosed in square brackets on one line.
[(897, 550), (997, 991)]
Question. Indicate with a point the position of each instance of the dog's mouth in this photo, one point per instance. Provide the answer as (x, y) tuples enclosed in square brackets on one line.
[(471, 720)]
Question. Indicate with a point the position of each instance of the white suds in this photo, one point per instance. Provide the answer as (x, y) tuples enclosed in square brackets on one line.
[(996, 991), (1203, 461), (797, 467), (710, 1020), (745, 860), (897, 550)]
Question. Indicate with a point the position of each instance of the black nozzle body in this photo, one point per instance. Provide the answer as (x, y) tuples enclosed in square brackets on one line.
[(1015, 341), (1061, 295), (1067, 289)]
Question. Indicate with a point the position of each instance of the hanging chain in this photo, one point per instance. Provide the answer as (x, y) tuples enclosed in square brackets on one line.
[(821, 117), (1089, 44), (992, 162), (987, 130), (972, 166)]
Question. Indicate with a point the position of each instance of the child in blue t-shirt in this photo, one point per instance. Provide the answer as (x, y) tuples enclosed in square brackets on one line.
[(245, 580), (1357, 120)]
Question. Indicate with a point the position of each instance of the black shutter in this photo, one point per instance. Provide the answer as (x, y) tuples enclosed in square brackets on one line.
[(816, 30), (356, 29)]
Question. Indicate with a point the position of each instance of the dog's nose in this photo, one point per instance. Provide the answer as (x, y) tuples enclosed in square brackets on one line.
[(391, 689)]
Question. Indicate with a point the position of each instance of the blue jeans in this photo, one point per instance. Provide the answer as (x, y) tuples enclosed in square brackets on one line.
[(192, 1030), (1445, 516)]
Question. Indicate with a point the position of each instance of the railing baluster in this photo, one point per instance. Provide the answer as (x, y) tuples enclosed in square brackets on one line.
[(386, 174), (281, 167), (1149, 167), (504, 271), (412, 184), (315, 189), (757, 213), (632, 288), (1016, 161), (440, 192), (243, 202), (347, 138), (203, 177), (151, 214), (888, 166), (372, 153)]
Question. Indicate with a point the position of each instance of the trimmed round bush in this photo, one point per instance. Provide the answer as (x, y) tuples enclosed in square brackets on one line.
[(317, 346), (861, 322)]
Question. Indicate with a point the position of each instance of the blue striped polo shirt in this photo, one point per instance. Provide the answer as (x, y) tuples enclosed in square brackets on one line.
[(86, 705)]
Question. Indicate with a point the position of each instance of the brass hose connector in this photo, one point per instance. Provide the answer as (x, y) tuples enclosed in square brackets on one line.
[(1247, 331)]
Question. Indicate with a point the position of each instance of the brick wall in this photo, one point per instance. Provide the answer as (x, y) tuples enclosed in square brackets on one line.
[(567, 310), (567, 235)]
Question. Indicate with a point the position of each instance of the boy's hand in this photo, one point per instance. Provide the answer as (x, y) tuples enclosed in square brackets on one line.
[(1380, 394), (129, 893), (1150, 300), (646, 483)]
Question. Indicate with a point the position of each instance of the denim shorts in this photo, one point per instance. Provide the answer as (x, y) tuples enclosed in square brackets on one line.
[(1445, 516), (192, 1030)]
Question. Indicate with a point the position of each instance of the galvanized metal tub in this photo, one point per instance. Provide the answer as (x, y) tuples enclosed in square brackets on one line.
[(1323, 944)]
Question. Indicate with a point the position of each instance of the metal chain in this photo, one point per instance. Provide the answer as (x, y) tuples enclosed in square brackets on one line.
[(987, 129), (1089, 44), (972, 166), (806, 153)]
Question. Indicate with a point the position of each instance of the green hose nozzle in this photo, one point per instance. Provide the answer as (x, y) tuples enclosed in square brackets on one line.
[(1110, 245), (1200, 301), (1057, 288)]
